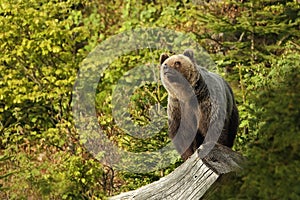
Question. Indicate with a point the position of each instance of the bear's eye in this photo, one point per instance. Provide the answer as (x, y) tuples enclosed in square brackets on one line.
[(177, 63)]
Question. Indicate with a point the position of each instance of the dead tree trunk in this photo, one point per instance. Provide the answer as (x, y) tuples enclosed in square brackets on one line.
[(192, 179)]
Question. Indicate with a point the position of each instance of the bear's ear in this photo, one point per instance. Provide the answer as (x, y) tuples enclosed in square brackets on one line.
[(163, 57), (190, 54)]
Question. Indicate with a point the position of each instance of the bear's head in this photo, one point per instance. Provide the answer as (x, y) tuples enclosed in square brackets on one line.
[(179, 73)]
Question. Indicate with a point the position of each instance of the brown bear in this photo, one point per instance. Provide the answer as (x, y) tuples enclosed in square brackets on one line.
[(192, 108)]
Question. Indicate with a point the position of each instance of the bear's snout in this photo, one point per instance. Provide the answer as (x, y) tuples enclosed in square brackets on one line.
[(165, 69), (172, 75), (169, 72)]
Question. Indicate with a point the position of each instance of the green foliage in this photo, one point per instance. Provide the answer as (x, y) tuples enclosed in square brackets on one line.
[(279, 134), (42, 43), (141, 100), (273, 156)]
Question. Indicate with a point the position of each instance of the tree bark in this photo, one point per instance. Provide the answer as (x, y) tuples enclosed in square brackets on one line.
[(193, 178)]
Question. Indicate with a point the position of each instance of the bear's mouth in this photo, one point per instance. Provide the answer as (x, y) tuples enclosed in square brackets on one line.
[(171, 76), (169, 73)]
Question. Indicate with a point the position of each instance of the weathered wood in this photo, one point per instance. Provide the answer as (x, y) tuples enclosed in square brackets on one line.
[(192, 179)]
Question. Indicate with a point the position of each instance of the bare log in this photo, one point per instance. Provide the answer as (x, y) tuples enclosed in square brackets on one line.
[(192, 179)]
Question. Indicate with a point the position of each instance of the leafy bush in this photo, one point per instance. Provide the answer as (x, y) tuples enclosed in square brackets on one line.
[(273, 155), (42, 44)]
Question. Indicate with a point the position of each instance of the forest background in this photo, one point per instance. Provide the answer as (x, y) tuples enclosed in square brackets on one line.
[(256, 47)]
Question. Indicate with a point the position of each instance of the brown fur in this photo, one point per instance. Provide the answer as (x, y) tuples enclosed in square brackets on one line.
[(185, 118)]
